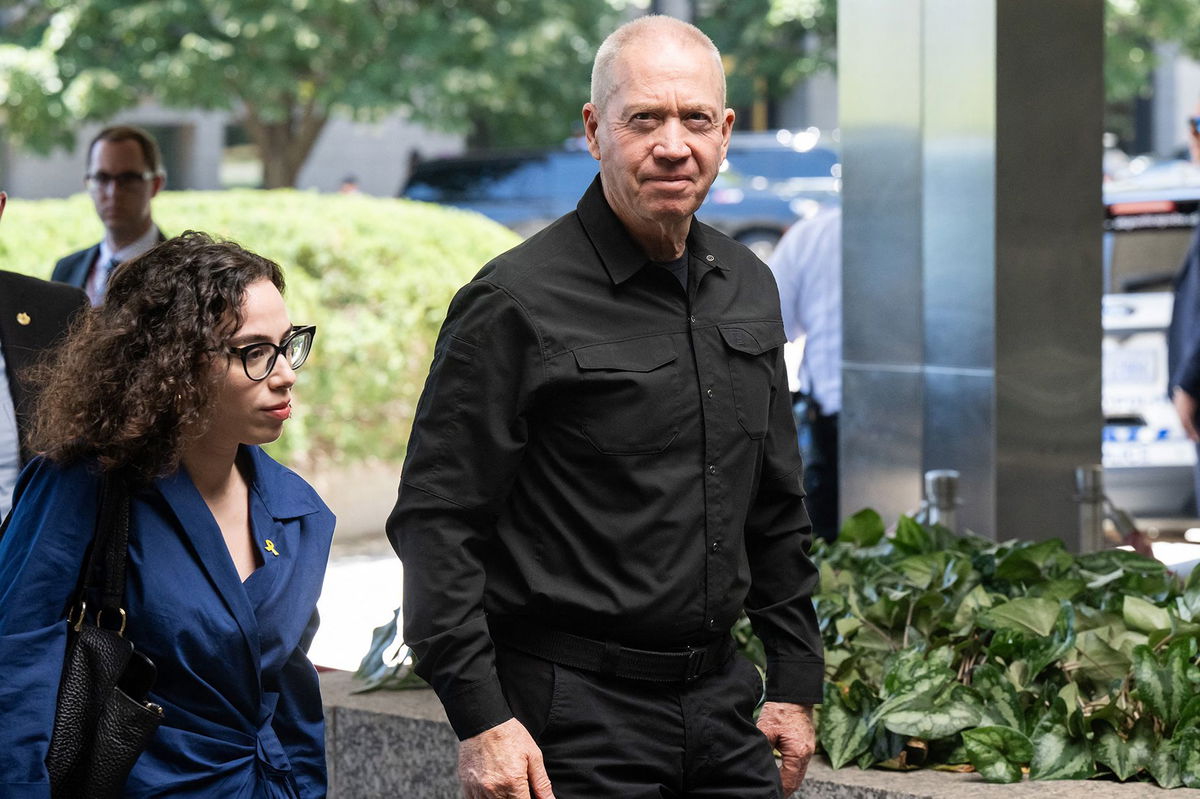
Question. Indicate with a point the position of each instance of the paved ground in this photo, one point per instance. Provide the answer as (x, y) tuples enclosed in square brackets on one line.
[(362, 590)]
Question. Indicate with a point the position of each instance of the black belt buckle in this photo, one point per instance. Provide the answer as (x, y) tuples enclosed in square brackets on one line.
[(695, 663)]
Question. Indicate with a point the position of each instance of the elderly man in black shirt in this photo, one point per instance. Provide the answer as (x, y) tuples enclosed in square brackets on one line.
[(602, 475)]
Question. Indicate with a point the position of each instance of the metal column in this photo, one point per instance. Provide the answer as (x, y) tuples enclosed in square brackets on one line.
[(971, 135)]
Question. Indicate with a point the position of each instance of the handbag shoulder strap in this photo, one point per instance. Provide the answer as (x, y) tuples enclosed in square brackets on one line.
[(109, 551)]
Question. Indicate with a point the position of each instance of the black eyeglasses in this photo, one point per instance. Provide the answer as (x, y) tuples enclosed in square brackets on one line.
[(259, 359), (126, 180)]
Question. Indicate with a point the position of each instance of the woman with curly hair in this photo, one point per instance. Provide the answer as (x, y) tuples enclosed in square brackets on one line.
[(172, 384)]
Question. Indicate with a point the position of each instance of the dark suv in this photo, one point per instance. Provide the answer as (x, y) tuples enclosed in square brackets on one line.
[(762, 187)]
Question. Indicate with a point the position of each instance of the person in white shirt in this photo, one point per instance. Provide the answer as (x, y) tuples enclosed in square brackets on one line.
[(124, 173), (807, 265)]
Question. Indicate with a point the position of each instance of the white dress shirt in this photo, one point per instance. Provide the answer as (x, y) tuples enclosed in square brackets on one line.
[(98, 277), (807, 264), (10, 442)]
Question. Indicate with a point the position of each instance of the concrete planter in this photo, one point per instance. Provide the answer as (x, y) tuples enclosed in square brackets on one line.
[(398, 743)]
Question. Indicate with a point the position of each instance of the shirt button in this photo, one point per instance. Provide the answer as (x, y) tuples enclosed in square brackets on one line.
[(692, 319), (712, 622), (709, 392), (709, 258), (712, 469), (716, 547)]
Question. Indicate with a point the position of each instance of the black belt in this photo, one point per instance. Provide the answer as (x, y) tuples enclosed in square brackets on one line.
[(608, 657)]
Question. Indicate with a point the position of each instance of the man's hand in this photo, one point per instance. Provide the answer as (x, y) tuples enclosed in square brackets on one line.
[(1185, 406), (790, 729), (503, 763)]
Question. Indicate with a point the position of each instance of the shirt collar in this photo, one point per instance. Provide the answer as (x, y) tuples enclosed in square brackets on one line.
[(283, 493), (130, 251), (620, 254)]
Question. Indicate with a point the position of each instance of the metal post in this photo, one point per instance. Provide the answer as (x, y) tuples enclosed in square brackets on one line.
[(970, 282), (941, 497), (1089, 494)]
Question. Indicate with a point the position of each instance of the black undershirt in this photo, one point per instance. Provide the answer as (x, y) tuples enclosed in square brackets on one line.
[(678, 268)]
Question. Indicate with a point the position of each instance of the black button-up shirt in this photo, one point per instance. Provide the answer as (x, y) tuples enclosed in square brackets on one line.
[(601, 453)]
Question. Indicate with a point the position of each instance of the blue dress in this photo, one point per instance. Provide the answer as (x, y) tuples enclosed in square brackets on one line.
[(242, 703)]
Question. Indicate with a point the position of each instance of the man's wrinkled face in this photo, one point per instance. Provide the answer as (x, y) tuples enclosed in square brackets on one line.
[(662, 132)]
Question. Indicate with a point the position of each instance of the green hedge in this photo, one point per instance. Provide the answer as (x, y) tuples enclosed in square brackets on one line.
[(375, 276)]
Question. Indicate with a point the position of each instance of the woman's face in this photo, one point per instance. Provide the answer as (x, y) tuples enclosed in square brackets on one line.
[(246, 411)]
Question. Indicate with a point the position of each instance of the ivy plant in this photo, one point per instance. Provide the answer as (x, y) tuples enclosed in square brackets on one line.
[(1011, 659)]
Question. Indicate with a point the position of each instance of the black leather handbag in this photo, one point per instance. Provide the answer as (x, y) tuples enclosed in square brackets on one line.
[(102, 721)]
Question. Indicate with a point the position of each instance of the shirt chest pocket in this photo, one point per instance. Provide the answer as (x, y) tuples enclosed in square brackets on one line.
[(626, 395), (750, 347)]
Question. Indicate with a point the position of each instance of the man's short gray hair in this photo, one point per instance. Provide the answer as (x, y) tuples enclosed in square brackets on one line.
[(658, 27)]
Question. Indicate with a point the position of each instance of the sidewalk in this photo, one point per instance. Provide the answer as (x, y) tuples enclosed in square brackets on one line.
[(362, 590)]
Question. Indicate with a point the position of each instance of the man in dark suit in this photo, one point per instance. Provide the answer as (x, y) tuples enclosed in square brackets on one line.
[(1183, 336), (124, 172), (33, 314)]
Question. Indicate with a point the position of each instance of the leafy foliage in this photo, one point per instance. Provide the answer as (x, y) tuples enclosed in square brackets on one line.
[(1008, 656), (511, 72), (374, 275), (388, 663), (770, 45), (494, 69), (1132, 29)]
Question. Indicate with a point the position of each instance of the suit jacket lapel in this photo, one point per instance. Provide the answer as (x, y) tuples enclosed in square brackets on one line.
[(33, 315), (78, 274), (12, 336), (24, 332), (200, 528)]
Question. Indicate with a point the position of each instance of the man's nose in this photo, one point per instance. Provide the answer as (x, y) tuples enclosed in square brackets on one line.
[(672, 142)]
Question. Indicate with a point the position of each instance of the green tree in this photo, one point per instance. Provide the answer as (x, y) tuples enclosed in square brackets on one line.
[(1132, 28), (770, 46), (503, 71)]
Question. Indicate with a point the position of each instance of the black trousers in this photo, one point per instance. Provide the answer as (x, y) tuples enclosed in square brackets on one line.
[(818, 439), (604, 736)]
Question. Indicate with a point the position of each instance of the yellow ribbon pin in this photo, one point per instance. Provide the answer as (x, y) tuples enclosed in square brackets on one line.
[(271, 547), (23, 319)]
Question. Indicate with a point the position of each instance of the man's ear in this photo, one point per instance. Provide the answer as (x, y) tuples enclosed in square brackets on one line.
[(591, 121), (3, 201), (159, 182)]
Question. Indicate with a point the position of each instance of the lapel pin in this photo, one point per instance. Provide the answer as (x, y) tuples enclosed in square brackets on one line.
[(23, 318), (271, 547)]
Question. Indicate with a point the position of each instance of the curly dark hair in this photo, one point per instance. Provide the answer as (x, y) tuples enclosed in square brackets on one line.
[(132, 383)]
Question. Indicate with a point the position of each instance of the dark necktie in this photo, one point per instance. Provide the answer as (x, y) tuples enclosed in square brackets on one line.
[(99, 280)]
